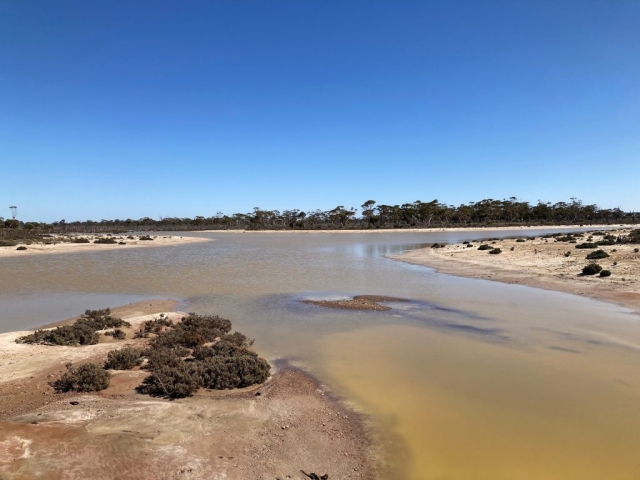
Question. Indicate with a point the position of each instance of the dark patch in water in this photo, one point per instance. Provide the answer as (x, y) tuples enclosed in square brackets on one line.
[(564, 349)]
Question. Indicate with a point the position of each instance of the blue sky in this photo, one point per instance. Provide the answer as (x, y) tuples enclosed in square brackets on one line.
[(165, 108)]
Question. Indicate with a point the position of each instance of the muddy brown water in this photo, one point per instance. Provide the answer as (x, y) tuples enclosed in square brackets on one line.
[(472, 379)]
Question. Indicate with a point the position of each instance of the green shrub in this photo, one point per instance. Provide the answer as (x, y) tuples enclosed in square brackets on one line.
[(636, 250), (227, 362), (586, 245), (438, 245), (123, 359), (591, 269), (7, 243), (521, 240), (598, 254), (106, 240), (117, 334), (485, 247), (82, 332), (605, 273), (495, 251), (80, 240), (21, 247), (567, 254), (469, 245), (146, 238), (85, 378)]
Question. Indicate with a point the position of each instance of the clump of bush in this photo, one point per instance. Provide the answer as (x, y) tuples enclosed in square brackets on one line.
[(117, 334), (438, 245), (81, 332), (85, 378), (636, 250), (485, 247), (598, 254), (586, 245), (495, 251), (605, 273), (216, 358), (123, 359), (520, 240), (80, 240), (591, 269), (567, 254), (146, 237), (21, 247), (106, 240), (7, 243)]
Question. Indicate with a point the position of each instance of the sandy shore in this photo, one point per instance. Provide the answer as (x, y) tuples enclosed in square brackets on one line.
[(64, 246), (516, 230), (542, 263), (274, 430)]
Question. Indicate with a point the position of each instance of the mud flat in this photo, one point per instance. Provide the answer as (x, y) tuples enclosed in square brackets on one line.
[(65, 244), (543, 263), (273, 430), (359, 302)]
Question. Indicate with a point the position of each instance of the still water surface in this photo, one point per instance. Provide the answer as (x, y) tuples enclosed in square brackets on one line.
[(470, 380)]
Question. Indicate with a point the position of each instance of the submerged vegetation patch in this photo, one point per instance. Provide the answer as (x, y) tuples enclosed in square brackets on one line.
[(359, 302)]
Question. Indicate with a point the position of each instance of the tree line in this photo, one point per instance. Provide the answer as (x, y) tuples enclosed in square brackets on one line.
[(370, 215)]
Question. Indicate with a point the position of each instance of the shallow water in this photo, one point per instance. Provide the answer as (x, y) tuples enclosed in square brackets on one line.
[(472, 379)]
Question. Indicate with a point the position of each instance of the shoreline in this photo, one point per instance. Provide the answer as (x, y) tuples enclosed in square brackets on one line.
[(69, 247), (427, 230), (292, 422), (540, 264)]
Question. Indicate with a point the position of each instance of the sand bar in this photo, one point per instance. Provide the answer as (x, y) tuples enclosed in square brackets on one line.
[(64, 246), (542, 263)]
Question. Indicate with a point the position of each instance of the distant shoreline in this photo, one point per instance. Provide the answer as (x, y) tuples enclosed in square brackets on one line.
[(427, 230)]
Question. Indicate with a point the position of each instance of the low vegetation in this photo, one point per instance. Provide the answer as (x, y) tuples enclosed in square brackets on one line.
[(106, 240), (82, 332), (485, 247), (591, 269), (495, 251), (85, 378), (598, 254), (605, 273), (123, 359)]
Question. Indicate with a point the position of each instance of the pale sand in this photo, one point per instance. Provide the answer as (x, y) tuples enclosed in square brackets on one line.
[(541, 263), (67, 247), (517, 230)]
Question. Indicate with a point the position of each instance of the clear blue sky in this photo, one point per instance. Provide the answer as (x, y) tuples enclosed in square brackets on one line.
[(183, 108)]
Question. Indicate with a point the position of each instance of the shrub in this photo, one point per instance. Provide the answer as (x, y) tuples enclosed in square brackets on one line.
[(117, 334), (80, 240), (513, 248), (226, 362), (469, 245), (82, 332), (7, 243), (438, 245), (636, 250), (586, 245), (567, 254), (605, 273), (146, 238), (521, 240), (21, 247), (485, 247), (131, 237), (598, 254), (123, 359), (122, 243), (106, 240), (591, 269), (495, 251), (85, 378)]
